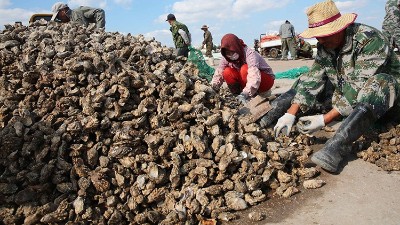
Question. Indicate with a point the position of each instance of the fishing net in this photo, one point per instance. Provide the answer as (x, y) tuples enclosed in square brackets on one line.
[(292, 73), (196, 57)]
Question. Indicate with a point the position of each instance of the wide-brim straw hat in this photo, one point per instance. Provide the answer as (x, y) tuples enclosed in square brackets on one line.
[(204, 27), (324, 19)]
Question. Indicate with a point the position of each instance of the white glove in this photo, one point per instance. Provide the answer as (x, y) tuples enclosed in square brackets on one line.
[(309, 124), (285, 122)]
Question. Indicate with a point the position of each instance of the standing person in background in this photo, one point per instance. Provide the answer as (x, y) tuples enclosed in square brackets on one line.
[(207, 41), (180, 35), (305, 50), (82, 15), (391, 23), (244, 70), (287, 34)]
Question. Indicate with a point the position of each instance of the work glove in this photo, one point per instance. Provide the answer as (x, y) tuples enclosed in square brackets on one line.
[(285, 122), (309, 124), (242, 98)]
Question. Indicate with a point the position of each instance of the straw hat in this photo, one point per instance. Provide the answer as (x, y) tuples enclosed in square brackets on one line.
[(324, 19), (204, 27)]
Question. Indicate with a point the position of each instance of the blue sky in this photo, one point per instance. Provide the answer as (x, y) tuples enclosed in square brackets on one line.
[(245, 18)]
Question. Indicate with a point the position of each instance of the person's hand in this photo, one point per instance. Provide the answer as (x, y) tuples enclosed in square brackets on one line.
[(242, 98), (309, 124), (285, 122)]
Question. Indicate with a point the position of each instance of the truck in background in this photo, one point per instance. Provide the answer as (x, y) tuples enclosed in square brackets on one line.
[(270, 45), (38, 16)]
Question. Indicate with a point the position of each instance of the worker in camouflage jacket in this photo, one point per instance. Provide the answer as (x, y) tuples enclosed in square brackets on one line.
[(83, 15), (304, 50), (391, 23), (180, 35), (207, 41), (364, 71)]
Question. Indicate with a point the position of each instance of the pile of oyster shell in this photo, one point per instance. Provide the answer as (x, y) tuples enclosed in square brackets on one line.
[(385, 151), (105, 128)]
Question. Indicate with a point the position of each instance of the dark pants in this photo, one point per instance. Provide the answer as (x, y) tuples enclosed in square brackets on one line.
[(304, 54), (184, 51)]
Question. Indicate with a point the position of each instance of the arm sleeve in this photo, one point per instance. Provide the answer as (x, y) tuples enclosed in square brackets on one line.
[(96, 15), (293, 32), (218, 79), (185, 36), (253, 75), (309, 86)]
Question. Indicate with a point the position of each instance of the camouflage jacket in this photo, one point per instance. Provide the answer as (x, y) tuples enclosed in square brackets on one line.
[(177, 38), (365, 54), (207, 38), (306, 47), (85, 15), (391, 22)]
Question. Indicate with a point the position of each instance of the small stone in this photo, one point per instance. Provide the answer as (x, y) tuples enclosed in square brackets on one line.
[(256, 216)]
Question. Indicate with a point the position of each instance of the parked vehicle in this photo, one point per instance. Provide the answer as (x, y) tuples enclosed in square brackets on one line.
[(38, 16), (270, 45)]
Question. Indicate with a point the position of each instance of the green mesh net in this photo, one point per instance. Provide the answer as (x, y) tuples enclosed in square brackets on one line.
[(292, 73), (196, 57)]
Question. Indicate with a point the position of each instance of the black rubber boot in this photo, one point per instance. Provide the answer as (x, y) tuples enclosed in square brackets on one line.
[(279, 106), (349, 131)]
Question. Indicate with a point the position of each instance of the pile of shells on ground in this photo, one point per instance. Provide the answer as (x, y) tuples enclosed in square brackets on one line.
[(105, 128), (383, 149), (111, 128)]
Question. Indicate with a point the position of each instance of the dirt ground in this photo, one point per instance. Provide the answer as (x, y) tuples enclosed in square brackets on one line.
[(361, 193)]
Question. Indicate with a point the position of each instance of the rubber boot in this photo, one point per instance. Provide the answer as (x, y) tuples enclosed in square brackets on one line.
[(340, 144), (279, 106)]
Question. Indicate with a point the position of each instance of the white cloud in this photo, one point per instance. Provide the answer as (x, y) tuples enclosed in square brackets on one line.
[(192, 11), (91, 3), (163, 36), (274, 25), (10, 16), (346, 6), (248, 6), (4, 3)]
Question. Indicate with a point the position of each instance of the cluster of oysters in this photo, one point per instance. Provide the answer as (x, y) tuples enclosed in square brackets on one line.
[(383, 150), (105, 128)]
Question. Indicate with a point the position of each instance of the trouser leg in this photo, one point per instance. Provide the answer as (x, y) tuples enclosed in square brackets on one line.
[(233, 80), (184, 51), (292, 47), (284, 48), (209, 50)]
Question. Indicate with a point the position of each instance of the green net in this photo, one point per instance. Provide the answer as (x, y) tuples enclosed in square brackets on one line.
[(196, 57), (292, 73)]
